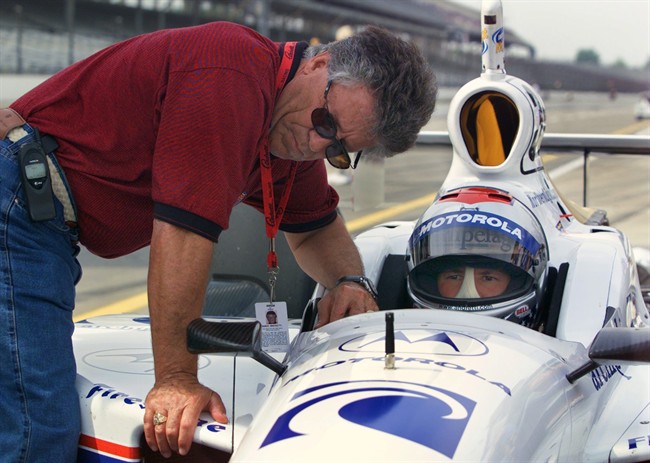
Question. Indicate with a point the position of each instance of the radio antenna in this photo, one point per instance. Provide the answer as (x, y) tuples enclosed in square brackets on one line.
[(390, 341)]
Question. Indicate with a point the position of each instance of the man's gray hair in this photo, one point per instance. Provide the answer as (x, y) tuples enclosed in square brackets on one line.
[(398, 76)]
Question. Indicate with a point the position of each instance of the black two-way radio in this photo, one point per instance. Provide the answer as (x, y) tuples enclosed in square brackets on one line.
[(35, 174)]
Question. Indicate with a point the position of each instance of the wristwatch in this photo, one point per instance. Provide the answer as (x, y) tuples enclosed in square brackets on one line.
[(360, 280)]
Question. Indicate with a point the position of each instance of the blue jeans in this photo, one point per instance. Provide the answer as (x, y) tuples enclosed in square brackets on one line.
[(39, 406)]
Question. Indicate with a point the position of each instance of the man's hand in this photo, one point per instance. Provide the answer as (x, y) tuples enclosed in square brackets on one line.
[(179, 263), (326, 254), (343, 300), (181, 400)]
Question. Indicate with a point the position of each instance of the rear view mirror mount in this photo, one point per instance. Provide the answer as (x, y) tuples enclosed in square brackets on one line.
[(208, 337)]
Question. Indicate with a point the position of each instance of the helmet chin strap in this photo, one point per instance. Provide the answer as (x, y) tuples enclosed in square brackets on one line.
[(468, 288)]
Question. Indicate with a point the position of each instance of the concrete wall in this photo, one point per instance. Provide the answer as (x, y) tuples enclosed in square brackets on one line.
[(13, 85)]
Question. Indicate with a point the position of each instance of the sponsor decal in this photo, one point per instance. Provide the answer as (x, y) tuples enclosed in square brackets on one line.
[(472, 308), (485, 219), (478, 227), (405, 360), (497, 38), (543, 197), (601, 375), (419, 342), (143, 325), (108, 392), (92, 449), (97, 326), (484, 41), (133, 361), (633, 444), (522, 311), (211, 426), (397, 408)]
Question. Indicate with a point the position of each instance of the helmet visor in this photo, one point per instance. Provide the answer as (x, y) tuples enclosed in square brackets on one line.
[(468, 281), (478, 233)]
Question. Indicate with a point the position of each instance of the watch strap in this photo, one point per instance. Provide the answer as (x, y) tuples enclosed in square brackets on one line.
[(361, 280)]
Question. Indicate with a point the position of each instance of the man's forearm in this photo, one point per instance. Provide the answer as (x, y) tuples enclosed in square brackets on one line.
[(178, 271), (327, 254)]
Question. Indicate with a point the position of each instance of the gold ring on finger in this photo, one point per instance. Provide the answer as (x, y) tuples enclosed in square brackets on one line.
[(158, 419)]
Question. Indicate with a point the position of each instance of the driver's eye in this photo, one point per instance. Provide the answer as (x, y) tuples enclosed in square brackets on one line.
[(452, 275)]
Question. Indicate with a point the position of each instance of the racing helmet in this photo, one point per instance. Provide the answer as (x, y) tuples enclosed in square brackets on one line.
[(478, 250)]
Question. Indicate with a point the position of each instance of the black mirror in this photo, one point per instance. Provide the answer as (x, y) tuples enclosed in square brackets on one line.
[(219, 336), (612, 344), (624, 344)]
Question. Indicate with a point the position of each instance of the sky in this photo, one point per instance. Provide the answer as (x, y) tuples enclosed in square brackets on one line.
[(615, 29)]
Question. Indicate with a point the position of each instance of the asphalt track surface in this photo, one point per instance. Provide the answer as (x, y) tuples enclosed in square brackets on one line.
[(618, 184)]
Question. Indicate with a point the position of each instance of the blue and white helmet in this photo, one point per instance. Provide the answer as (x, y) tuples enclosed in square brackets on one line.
[(478, 250)]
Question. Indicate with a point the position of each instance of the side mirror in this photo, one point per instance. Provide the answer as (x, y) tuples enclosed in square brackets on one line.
[(624, 344), (204, 337), (611, 344)]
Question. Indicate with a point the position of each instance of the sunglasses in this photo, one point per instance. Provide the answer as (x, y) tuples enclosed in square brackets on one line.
[(324, 125)]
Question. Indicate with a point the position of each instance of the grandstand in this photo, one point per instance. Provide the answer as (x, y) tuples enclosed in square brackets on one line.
[(43, 36)]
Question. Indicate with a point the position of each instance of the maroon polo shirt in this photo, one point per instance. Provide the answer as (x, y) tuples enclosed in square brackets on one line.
[(169, 125)]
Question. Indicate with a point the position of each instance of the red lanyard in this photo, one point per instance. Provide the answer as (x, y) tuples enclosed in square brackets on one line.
[(272, 215)]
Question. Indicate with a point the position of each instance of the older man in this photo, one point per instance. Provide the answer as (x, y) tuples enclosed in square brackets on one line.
[(152, 141)]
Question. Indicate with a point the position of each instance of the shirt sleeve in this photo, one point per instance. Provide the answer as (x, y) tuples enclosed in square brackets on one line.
[(211, 124), (312, 203)]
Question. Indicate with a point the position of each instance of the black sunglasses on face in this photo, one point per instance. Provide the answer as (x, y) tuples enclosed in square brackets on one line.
[(324, 125)]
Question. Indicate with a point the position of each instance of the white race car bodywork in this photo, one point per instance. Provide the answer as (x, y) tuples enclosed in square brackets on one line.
[(464, 387)]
